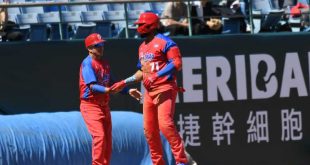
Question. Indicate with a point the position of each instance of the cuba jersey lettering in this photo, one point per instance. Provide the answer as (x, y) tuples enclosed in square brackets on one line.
[(153, 57), (94, 71)]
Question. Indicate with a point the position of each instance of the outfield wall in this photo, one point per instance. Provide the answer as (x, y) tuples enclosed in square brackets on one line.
[(246, 99)]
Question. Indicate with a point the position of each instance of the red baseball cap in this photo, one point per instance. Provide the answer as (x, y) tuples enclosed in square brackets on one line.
[(93, 39)]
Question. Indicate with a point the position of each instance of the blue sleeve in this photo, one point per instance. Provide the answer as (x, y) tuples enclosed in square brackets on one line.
[(168, 69), (139, 66), (98, 88), (169, 45), (88, 73)]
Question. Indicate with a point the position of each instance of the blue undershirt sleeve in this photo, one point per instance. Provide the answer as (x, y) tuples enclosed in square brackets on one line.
[(98, 88), (88, 73), (168, 69)]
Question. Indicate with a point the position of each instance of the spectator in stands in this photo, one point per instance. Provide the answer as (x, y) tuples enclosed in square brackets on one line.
[(174, 18), (206, 19), (7, 31), (176, 22), (231, 9)]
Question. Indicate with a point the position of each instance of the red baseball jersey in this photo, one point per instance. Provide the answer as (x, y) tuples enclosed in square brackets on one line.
[(94, 71), (153, 57)]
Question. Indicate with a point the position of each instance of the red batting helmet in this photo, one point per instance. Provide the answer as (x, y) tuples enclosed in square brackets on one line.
[(147, 22), (93, 39)]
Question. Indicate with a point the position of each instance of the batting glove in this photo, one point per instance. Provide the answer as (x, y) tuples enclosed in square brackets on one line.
[(118, 86), (149, 81)]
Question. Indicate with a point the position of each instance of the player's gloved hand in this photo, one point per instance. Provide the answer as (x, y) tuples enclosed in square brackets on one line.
[(150, 80), (118, 86)]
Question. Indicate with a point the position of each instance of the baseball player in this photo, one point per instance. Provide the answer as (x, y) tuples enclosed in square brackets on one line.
[(95, 80), (159, 60)]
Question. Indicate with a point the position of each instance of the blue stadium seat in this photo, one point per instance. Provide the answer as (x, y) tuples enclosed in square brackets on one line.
[(16, 1), (270, 15), (77, 8), (38, 32), (91, 16), (29, 18), (133, 15), (80, 30), (158, 7), (116, 6), (71, 16), (12, 12), (34, 9), (98, 7), (53, 20), (50, 17), (117, 18), (102, 27), (69, 19), (83, 30), (140, 6), (12, 17)]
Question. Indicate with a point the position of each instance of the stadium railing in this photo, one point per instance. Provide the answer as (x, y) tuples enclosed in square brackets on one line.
[(125, 4)]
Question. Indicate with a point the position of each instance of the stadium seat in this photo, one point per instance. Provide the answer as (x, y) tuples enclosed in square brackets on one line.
[(272, 19), (116, 18), (34, 9), (158, 7), (74, 22), (12, 12), (133, 15), (71, 16), (98, 7), (270, 15), (24, 19), (56, 8), (140, 6), (17, 1), (116, 6), (83, 30), (50, 17), (38, 32), (102, 27), (263, 5), (53, 20), (76, 8), (91, 16)]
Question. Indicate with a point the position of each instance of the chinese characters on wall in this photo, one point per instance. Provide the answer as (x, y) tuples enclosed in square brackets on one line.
[(223, 128)]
